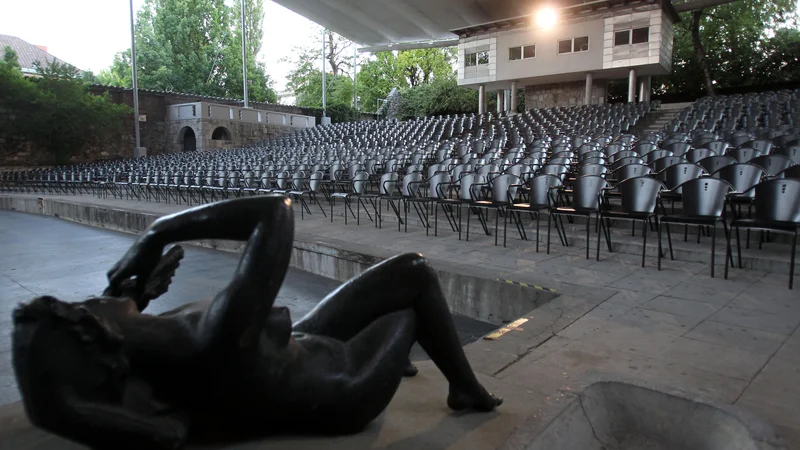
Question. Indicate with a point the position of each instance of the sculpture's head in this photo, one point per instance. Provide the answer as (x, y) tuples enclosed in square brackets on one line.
[(60, 347)]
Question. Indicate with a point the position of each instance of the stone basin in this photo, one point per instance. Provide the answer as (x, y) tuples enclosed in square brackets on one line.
[(613, 415)]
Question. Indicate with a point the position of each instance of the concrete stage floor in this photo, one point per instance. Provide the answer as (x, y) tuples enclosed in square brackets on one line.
[(731, 341)]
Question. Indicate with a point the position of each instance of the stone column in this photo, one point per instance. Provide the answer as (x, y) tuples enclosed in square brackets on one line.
[(513, 96), (648, 88), (499, 101), (587, 98), (642, 89), (507, 100), (632, 86), (482, 99)]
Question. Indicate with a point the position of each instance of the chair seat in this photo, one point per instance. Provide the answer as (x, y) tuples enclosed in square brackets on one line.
[(691, 220), (527, 207), (569, 210), (765, 225), (626, 215), (451, 201)]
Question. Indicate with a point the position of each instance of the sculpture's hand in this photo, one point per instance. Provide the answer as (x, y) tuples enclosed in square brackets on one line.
[(139, 261)]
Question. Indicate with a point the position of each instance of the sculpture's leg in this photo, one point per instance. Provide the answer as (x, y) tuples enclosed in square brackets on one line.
[(402, 282)]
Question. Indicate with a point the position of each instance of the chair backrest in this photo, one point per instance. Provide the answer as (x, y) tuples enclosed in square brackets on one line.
[(763, 146), (741, 177), (586, 191), (626, 161), (410, 181), (674, 176), (678, 148), (592, 169), (697, 154), (433, 168), (459, 171), (772, 164), (632, 171), (662, 163), (639, 194), (657, 154), (315, 180), (778, 200), (558, 170), (466, 183), (540, 188), (714, 163), (743, 154), (791, 172), (360, 180), (717, 147), (502, 190), (704, 197), (387, 185), (791, 152)]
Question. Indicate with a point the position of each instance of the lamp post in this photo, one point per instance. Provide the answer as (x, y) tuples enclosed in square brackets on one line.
[(137, 149), (324, 78), (244, 56)]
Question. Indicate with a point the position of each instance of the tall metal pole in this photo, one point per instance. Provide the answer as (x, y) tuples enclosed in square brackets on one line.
[(324, 90), (244, 56), (355, 73), (135, 87)]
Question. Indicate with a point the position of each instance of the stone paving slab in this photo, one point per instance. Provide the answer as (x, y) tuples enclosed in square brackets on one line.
[(736, 341)]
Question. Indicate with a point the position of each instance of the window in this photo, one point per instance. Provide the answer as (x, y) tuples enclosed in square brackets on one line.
[(581, 44), (483, 58), (522, 52), (470, 59), (622, 37), (578, 44), (565, 46), (635, 36), (529, 51), (641, 35)]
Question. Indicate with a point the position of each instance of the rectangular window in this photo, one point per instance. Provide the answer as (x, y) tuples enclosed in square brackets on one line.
[(483, 58), (641, 35), (581, 44), (470, 59), (514, 53), (622, 37), (565, 46), (578, 44), (529, 51)]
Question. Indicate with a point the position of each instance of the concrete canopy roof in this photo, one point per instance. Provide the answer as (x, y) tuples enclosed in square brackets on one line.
[(396, 24), (378, 25)]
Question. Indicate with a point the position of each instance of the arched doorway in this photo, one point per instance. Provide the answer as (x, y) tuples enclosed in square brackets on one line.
[(188, 140), (221, 134)]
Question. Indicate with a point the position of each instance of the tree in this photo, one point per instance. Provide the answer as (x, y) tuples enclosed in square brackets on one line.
[(55, 111), (441, 96), (377, 78), (10, 57), (420, 66), (195, 46), (736, 39)]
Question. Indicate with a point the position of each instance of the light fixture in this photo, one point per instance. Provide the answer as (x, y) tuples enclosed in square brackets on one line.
[(546, 17)]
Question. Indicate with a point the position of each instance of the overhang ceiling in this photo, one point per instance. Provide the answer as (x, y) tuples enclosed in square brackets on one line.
[(377, 25)]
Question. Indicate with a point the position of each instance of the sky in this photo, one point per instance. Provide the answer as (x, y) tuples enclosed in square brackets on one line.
[(87, 33)]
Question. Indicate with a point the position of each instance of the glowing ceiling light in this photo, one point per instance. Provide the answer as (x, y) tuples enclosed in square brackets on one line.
[(546, 17)]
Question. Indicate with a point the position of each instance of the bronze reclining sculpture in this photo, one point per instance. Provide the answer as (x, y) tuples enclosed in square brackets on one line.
[(103, 373)]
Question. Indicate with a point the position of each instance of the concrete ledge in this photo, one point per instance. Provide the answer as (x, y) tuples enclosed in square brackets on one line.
[(470, 292)]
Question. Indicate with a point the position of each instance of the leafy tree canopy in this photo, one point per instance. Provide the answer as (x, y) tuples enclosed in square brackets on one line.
[(55, 110), (195, 46)]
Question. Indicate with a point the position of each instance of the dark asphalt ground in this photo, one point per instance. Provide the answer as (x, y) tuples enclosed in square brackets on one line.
[(44, 255)]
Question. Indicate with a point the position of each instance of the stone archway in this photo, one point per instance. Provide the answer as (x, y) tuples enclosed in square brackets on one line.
[(187, 139), (221, 134)]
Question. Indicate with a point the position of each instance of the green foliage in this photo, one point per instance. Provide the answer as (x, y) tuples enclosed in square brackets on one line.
[(441, 96), (55, 111), (195, 46), (10, 57), (747, 43)]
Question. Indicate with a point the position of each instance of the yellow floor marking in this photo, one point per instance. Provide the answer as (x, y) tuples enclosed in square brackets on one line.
[(503, 330)]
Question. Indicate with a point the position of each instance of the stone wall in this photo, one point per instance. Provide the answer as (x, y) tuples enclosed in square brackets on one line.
[(563, 94), (243, 133), (157, 134)]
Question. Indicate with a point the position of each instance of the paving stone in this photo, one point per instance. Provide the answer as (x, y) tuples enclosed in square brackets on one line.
[(759, 320), (681, 307), (649, 281), (657, 322), (737, 337), (790, 351), (721, 359), (774, 395), (715, 291), (631, 298), (709, 385)]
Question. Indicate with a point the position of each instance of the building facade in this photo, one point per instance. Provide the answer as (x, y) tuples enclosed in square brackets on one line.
[(570, 62)]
